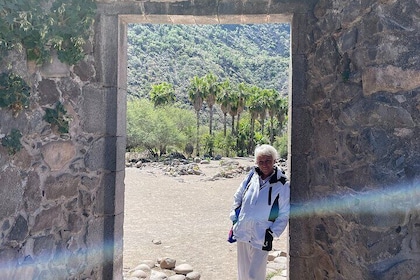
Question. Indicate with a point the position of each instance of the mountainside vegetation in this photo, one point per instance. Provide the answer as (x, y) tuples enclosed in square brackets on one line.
[(255, 54), (234, 77)]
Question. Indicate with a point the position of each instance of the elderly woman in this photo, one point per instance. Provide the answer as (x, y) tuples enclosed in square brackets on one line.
[(260, 212)]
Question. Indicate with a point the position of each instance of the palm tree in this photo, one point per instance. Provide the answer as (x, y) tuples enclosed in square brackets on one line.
[(233, 108), (196, 95), (162, 94), (254, 107), (264, 99), (282, 113), (243, 95), (274, 104), (212, 90), (223, 100)]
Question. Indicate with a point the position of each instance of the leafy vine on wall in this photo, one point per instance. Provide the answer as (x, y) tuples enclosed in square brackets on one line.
[(14, 92), (57, 118), (39, 27), (12, 141)]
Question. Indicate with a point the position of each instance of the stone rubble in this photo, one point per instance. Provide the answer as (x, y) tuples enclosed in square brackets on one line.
[(166, 268), (229, 168)]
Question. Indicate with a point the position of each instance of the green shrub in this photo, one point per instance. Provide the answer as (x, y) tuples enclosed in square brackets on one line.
[(14, 92), (12, 141), (57, 118), (64, 27), (281, 144)]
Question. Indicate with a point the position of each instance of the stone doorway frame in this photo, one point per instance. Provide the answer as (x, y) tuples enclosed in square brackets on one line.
[(111, 58)]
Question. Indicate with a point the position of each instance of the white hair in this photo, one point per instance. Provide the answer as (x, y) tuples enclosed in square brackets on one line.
[(265, 150)]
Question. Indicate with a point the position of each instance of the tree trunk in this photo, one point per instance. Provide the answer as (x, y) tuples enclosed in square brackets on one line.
[(271, 130), (197, 151), (233, 125), (237, 124), (262, 126), (211, 121), (251, 137), (224, 124)]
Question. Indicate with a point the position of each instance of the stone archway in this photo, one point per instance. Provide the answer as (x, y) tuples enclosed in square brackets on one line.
[(354, 139), (112, 42)]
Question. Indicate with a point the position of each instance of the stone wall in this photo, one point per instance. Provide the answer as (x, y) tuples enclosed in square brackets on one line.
[(355, 157), (61, 213), (356, 172)]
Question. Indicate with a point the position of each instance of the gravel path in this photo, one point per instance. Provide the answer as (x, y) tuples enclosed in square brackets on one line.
[(187, 214)]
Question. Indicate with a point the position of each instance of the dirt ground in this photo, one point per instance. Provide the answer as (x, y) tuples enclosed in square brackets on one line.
[(187, 214)]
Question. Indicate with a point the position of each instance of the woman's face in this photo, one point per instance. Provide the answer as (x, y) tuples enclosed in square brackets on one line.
[(266, 164)]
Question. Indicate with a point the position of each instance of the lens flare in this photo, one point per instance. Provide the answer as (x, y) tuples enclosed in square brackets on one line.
[(385, 201)]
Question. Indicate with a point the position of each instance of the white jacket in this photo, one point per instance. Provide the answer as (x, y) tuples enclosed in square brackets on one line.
[(257, 204)]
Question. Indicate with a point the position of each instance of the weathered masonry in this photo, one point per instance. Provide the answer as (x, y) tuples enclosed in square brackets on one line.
[(355, 142)]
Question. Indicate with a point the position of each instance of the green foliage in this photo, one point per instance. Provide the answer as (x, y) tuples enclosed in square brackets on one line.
[(12, 141), (156, 129), (281, 144), (14, 92), (225, 144), (40, 26), (208, 144), (257, 54), (57, 118), (220, 71), (162, 94), (260, 138)]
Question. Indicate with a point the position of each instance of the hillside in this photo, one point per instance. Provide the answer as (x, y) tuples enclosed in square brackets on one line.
[(253, 54)]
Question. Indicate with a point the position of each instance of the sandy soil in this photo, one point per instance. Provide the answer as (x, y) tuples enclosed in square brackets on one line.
[(187, 214)]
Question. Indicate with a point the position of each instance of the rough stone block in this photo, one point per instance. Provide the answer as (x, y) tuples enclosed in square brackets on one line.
[(101, 154), (32, 194), (110, 194), (55, 68), (47, 219), (118, 245), (70, 90), (121, 120), (44, 247), (298, 44), (117, 7), (256, 7), (226, 7), (389, 78), (58, 154), (11, 192), (48, 92), (325, 138), (119, 192), (290, 6), (405, 269), (106, 192), (348, 40), (323, 174), (99, 110), (106, 52), (19, 230), (95, 240), (300, 178), (85, 70), (301, 130), (65, 185), (299, 94), (205, 8), (180, 8)]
